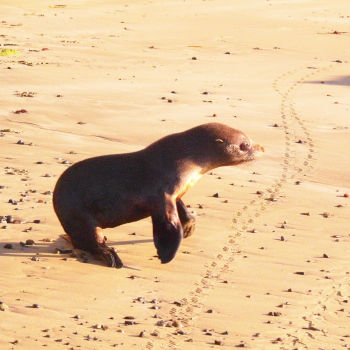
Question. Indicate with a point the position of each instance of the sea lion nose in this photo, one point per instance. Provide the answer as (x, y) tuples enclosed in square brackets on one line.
[(257, 150)]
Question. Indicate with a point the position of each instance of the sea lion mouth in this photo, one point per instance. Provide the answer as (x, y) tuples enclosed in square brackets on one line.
[(256, 151)]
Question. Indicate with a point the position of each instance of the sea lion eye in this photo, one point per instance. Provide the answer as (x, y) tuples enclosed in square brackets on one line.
[(244, 146)]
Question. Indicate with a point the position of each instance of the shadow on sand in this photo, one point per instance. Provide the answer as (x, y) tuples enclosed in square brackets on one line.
[(341, 80), (58, 249)]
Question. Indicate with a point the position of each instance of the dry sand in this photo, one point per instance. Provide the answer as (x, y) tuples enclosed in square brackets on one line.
[(262, 271)]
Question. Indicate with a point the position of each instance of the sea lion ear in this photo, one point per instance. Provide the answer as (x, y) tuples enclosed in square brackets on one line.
[(167, 232), (219, 140)]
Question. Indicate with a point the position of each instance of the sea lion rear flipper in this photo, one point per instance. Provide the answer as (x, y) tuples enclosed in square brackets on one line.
[(167, 231), (110, 256)]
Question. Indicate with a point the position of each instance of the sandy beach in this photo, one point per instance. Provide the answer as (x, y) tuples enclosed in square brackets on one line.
[(269, 264)]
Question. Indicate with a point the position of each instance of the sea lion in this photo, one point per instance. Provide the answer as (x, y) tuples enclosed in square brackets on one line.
[(111, 190)]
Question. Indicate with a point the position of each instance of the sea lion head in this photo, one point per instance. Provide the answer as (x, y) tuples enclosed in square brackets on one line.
[(223, 145)]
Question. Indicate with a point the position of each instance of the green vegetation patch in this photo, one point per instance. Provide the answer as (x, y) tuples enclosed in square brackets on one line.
[(8, 52)]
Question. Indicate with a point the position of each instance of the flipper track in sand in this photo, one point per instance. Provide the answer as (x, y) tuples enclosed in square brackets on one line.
[(294, 165)]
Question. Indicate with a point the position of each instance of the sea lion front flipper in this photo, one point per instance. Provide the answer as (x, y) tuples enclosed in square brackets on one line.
[(188, 221), (167, 231)]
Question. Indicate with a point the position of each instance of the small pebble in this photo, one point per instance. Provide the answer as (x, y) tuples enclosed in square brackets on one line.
[(142, 334), (3, 306), (8, 246), (129, 318), (176, 324), (274, 313), (36, 306), (216, 195), (100, 326), (19, 111), (30, 242), (275, 341), (217, 342), (325, 256)]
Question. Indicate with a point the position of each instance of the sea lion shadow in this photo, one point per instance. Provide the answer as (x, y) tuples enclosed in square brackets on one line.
[(47, 249), (138, 241), (59, 248)]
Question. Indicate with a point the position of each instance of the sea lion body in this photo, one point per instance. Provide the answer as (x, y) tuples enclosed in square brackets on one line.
[(111, 190)]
